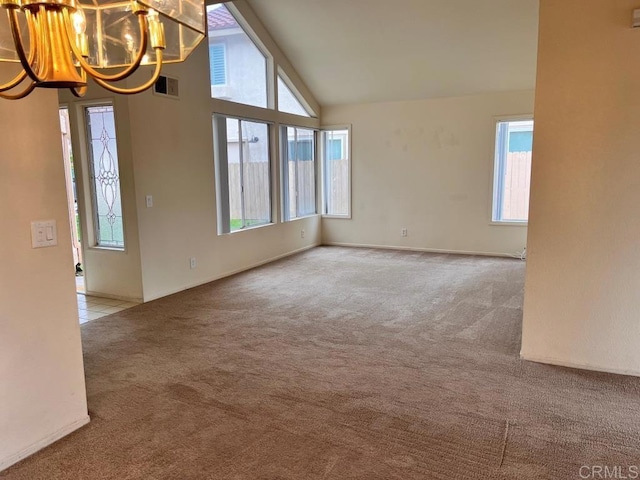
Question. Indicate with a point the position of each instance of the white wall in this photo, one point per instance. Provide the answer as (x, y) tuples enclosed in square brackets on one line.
[(172, 142), (428, 166), (42, 391), (583, 271)]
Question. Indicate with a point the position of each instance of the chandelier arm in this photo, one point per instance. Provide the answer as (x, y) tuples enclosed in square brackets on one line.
[(144, 32), (20, 95), (17, 40), (141, 88), (15, 82), (44, 43), (80, 91), (23, 74)]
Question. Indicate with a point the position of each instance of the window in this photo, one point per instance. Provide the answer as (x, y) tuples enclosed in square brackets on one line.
[(287, 101), (238, 67), (298, 172), (336, 167), (105, 176), (218, 64), (243, 71), (243, 172), (303, 147), (512, 175)]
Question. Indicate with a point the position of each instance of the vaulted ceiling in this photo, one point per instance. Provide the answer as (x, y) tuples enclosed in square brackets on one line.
[(353, 51)]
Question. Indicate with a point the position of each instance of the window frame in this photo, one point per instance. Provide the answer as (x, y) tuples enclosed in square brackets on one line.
[(284, 172), (219, 122), (324, 179), (269, 62), (93, 230), (498, 166), (276, 64)]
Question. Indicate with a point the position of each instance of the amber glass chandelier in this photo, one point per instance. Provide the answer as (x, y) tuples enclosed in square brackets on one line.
[(60, 43)]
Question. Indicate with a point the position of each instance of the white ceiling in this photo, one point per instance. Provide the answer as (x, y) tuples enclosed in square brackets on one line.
[(352, 51)]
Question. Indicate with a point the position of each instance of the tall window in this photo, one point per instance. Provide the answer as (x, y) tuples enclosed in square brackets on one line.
[(336, 168), (512, 175), (105, 176), (238, 67), (243, 173), (298, 172)]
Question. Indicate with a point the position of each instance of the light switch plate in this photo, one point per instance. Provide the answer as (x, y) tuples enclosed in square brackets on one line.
[(44, 233), (168, 87), (149, 200)]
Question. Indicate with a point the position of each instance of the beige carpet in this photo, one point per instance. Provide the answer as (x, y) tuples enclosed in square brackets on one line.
[(339, 364)]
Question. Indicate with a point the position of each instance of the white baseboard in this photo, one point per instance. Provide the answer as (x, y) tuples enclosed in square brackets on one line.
[(113, 297), (39, 445), (419, 249), (229, 273), (309, 247), (578, 365)]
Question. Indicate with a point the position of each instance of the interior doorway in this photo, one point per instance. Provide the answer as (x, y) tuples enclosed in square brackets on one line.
[(72, 199)]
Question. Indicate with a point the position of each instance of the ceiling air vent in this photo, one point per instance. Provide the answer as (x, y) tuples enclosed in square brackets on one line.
[(167, 87)]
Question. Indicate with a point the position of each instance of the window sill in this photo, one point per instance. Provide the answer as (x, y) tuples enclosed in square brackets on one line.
[(301, 218), (247, 229), (509, 224), (343, 217), (108, 249)]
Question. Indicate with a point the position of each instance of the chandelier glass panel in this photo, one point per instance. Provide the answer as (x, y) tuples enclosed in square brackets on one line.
[(60, 43)]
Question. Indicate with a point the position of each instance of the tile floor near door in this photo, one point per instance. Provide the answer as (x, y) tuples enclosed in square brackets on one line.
[(92, 308)]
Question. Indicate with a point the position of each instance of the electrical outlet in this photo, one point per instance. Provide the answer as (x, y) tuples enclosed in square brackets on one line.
[(302, 232), (403, 232), (192, 262)]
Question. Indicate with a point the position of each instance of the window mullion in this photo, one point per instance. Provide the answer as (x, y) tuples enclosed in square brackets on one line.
[(295, 173), (241, 159), (324, 151), (504, 146)]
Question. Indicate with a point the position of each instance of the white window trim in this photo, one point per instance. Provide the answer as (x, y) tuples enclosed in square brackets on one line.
[(495, 172), (349, 149), (509, 223)]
